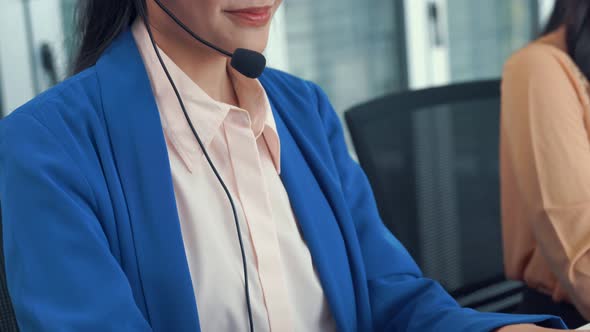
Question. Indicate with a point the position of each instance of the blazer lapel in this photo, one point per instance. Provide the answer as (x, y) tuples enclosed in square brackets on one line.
[(318, 224), (141, 157)]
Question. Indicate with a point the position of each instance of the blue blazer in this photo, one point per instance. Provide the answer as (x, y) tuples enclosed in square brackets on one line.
[(92, 238)]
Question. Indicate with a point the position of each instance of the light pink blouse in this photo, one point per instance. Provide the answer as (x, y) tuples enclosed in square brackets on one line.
[(285, 291)]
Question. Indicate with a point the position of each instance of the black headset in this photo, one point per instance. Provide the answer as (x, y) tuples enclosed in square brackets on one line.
[(250, 64)]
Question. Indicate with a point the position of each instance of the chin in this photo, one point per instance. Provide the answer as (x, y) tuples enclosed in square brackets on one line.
[(257, 47), (254, 47), (257, 42)]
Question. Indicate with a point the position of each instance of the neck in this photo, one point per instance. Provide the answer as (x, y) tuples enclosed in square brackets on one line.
[(557, 38), (205, 66)]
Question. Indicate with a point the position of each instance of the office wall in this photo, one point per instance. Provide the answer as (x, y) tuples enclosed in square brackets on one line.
[(353, 49), (545, 8), (356, 50), (15, 64), (20, 62), (483, 33)]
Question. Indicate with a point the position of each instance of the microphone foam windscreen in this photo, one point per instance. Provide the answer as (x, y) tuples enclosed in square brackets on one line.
[(249, 63)]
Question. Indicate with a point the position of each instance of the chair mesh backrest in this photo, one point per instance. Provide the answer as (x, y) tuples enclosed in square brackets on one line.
[(7, 317), (432, 159)]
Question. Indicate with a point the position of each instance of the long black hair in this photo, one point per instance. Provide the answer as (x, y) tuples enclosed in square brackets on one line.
[(99, 22), (575, 16)]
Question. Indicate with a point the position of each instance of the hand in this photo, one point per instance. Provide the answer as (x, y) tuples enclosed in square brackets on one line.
[(527, 328)]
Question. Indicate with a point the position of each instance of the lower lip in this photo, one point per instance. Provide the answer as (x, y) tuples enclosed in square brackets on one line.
[(256, 18)]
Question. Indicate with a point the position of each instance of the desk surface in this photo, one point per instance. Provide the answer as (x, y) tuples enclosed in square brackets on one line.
[(585, 327)]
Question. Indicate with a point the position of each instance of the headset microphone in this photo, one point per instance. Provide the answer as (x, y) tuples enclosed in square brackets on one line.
[(247, 62)]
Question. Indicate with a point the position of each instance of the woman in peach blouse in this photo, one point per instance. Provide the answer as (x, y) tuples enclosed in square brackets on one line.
[(545, 166)]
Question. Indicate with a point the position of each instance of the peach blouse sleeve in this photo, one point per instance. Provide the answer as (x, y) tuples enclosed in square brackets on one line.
[(544, 128)]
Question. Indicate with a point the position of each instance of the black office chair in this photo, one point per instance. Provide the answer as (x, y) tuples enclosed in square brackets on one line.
[(432, 159), (7, 317)]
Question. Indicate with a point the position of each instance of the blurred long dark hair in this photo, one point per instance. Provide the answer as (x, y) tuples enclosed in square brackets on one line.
[(575, 15), (99, 22)]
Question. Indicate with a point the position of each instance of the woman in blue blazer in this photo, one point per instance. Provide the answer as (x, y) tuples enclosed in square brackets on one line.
[(91, 229)]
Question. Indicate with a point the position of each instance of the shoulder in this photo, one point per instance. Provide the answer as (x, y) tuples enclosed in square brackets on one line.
[(288, 86), (545, 71), (301, 102), (305, 107), (71, 97), (66, 114), (278, 78), (296, 93), (542, 61)]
